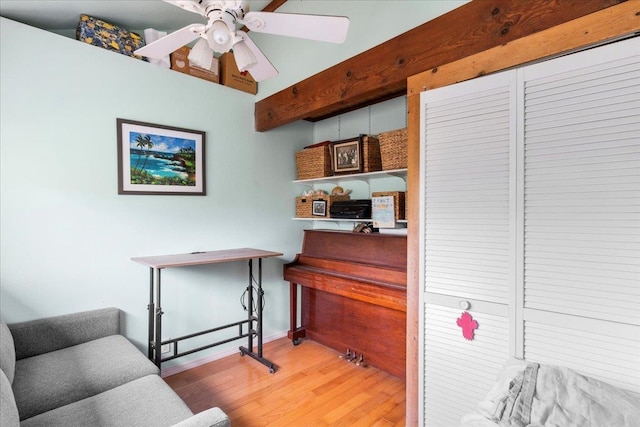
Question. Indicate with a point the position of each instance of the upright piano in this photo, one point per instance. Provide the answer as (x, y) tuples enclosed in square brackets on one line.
[(354, 295)]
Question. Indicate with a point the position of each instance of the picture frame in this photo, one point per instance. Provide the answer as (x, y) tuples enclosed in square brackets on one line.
[(346, 156), (156, 159), (319, 208)]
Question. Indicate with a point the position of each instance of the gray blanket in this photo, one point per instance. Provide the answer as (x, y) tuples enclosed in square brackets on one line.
[(532, 395)]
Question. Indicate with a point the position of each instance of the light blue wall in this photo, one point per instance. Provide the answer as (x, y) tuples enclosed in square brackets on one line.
[(67, 236)]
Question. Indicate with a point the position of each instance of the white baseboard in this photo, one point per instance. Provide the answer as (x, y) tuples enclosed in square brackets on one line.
[(216, 356)]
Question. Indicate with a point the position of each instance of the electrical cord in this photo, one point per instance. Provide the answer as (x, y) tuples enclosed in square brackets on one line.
[(254, 289)]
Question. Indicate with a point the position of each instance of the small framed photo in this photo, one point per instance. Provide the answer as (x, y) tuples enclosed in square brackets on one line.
[(319, 208), (158, 159), (346, 156)]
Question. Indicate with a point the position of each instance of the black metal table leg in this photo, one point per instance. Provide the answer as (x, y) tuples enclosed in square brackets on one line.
[(250, 310), (260, 304), (249, 351), (151, 314), (158, 323)]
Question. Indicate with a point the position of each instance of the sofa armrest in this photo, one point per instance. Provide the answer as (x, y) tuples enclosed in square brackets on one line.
[(213, 417), (54, 333)]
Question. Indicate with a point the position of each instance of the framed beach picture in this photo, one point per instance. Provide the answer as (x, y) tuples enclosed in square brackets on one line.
[(162, 160)]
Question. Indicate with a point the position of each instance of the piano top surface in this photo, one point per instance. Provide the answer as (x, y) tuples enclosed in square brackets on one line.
[(387, 250)]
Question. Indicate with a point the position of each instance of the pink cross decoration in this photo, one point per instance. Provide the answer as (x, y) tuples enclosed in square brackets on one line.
[(468, 325)]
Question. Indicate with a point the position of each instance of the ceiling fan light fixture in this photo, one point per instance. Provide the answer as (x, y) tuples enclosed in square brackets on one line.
[(245, 59), (222, 35), (219, 37), (201, 55)]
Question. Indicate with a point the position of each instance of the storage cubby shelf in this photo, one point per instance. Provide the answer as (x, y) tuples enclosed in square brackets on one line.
[(366, 177)]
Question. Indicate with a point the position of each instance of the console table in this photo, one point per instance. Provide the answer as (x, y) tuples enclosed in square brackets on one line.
[(157, 263)]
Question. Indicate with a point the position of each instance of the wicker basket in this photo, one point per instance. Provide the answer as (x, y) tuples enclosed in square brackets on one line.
[(398, 201), (372, 160), (313, 162), (304, 205), (393, 149)]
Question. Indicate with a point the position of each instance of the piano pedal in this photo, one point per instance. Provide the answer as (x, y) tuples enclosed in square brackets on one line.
[(360, 362), (346, 355), (353, 357)]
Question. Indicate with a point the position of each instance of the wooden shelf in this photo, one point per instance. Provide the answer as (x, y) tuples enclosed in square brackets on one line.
[(400, 173), (399, 221)]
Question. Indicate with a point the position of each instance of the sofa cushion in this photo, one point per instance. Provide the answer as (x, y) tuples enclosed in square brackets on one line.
[(8, 410), (147, 401), (40, 336), (7, 352), (57, 378)]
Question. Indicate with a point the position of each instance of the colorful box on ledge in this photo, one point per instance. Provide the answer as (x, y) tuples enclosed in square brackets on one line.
[(108, 36)]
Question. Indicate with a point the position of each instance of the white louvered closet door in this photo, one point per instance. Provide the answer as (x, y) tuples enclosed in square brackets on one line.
[(581, 221), (467, 244)]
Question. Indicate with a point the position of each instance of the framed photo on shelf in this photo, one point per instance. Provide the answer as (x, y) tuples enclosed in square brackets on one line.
[(160, 160), (346, 156), (319, 208)]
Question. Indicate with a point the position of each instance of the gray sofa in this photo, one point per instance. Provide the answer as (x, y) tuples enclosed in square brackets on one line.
[(77, 370)]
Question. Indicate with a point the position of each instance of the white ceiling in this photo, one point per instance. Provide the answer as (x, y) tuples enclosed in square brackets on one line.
[(63, 15)]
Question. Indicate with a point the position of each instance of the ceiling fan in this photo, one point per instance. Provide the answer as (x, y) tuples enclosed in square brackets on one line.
[(220, 35)]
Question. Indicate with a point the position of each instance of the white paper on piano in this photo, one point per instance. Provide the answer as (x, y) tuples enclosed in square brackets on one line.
[(382, 212)]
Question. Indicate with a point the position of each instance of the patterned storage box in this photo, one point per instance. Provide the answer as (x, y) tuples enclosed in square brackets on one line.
[(108, 36), (398, 201), (304, 205)]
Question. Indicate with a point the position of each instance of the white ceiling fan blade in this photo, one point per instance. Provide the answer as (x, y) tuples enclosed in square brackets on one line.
[(170, 43), (312, 27), (263, 70), (189, 5)]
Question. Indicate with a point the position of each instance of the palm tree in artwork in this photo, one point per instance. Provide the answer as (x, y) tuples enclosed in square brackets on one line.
[(149, 145), (141, 143)]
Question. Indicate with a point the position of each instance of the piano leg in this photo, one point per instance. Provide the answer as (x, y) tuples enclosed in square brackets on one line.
[(295, 332)]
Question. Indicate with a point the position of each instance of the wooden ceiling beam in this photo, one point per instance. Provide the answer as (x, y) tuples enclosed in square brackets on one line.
[(273, 6), (381, 73)]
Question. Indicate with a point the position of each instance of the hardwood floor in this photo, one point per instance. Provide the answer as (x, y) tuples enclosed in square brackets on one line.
[(312, 386)]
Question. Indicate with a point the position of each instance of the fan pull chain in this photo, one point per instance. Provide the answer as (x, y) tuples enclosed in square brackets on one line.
[(339, 117)]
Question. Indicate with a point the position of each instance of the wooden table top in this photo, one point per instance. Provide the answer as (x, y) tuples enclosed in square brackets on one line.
[(199, 258)]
